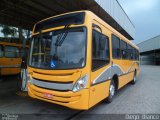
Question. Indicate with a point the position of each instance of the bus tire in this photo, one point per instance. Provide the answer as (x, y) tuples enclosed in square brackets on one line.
[(134, 78), (112, 90)]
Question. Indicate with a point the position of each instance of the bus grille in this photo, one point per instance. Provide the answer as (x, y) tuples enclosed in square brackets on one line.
[(60, 86)]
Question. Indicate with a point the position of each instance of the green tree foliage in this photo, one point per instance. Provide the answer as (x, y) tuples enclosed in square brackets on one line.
[(8, 31), (13, 34)]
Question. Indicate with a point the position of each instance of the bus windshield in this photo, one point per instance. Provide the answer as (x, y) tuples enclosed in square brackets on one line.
[(68, 54)]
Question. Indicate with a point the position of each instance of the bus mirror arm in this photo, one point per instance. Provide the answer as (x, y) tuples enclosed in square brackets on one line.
[(96, 26)]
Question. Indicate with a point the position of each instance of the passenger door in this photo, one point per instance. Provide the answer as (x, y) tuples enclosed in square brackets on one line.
[(100, 63)]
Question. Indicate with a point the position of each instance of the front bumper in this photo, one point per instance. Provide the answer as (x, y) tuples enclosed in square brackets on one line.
[(78, 100)]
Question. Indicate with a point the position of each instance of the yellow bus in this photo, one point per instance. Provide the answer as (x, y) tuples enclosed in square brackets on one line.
[(77, 60), (10, 58)]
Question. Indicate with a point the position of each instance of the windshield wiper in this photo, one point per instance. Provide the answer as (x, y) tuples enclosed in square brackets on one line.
[(61, 37)]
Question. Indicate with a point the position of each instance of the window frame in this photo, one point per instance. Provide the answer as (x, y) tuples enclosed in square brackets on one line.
[(107, 38), (120, 56), (19, 56), (130, 52), (86, 46), (126, 50), (137, 55), (134, 53), (48, 23), (2, 48)]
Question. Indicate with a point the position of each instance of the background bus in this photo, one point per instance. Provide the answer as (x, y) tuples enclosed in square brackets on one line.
[(10, 58)]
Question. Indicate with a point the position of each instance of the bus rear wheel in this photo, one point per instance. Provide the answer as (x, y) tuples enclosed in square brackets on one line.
[(112, 90), (134, 79)]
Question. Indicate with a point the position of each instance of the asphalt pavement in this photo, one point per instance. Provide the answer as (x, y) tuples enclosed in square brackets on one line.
[(141, 98)]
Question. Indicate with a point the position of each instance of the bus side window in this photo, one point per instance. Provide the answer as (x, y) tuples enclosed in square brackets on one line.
[(1, 51), (137, 55), (130, 52), (11, 52), (124, 50), (100, 50), (134, 54), (115, 47)]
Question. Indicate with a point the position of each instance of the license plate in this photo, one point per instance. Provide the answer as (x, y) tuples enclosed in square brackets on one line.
[(47, 95)]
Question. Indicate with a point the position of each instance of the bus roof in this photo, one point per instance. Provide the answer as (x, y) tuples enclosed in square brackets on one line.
[(93, 16)]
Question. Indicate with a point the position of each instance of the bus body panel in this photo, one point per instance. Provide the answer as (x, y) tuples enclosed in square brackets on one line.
[(98, 93), (128, 68), (69, 99), (10, 66), (95, 91), (124, 79)]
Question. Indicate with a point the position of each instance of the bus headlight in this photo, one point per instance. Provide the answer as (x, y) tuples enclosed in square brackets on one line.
[(28, 76), (80, 84)]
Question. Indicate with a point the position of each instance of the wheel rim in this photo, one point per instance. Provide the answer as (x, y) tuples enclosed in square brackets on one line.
[(112, 90), (134, 78)]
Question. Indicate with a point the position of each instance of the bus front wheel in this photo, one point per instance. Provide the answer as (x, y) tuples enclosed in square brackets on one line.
[(112, 90)]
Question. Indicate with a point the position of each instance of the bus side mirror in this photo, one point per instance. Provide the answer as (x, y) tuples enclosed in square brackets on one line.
[(94, 26)]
